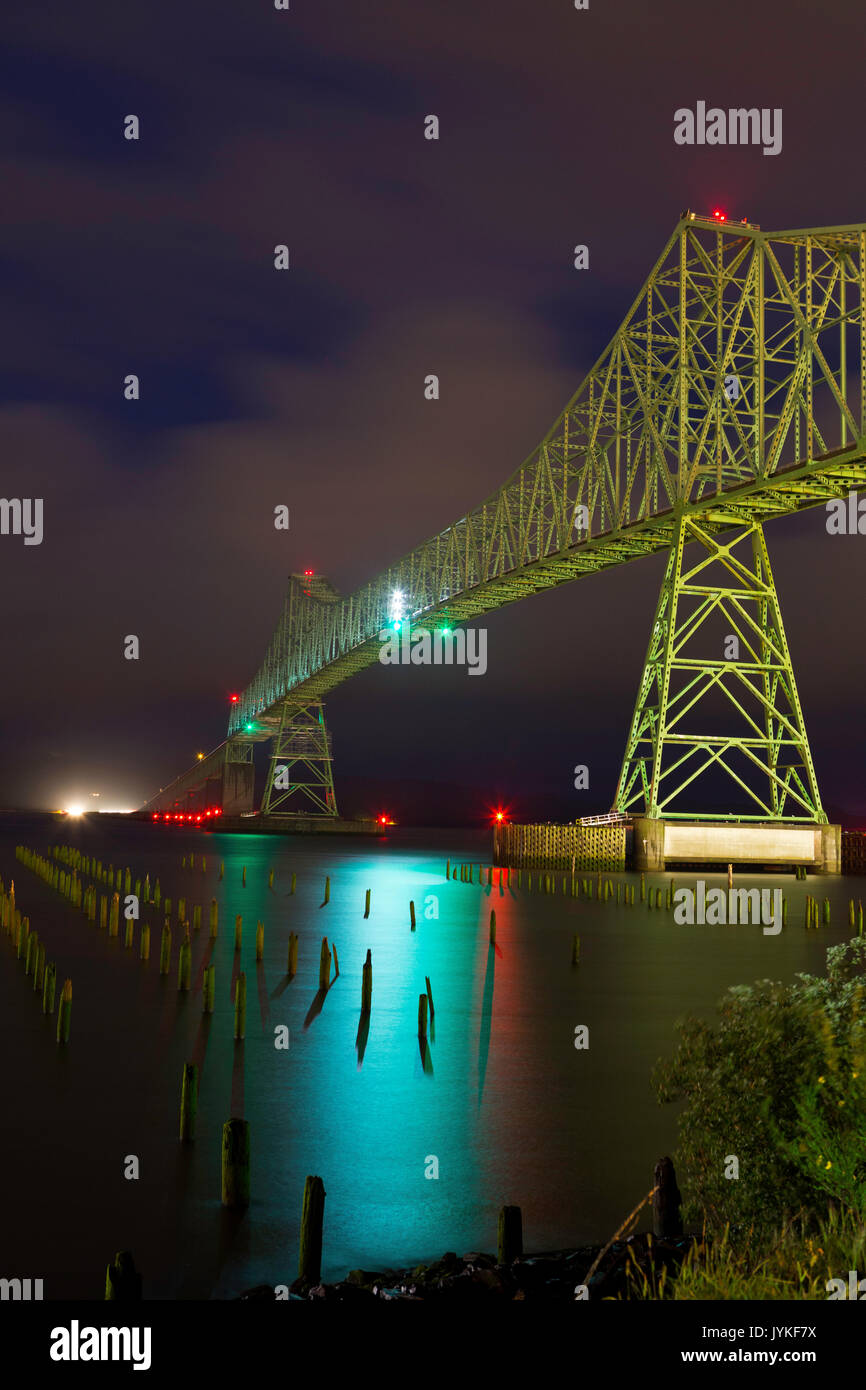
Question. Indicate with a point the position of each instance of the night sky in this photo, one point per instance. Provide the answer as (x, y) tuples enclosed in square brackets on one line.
[(305, 388)]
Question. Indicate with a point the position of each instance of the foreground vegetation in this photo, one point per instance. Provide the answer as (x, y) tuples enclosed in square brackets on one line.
[(772, 1152)]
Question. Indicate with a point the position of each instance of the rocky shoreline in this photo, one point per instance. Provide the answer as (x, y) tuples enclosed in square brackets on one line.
[(550, 1278)]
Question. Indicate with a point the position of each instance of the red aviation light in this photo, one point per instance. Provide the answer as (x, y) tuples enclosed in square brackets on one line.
[(233, 699), (719, 215)]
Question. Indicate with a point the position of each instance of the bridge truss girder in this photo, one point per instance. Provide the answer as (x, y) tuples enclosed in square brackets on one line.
[(732, 393)]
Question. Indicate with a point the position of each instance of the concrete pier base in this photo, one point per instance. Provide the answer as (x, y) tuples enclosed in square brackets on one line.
[(658, 844)]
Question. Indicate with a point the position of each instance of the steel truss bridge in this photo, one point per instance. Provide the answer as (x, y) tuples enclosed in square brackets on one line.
[(733, 393)]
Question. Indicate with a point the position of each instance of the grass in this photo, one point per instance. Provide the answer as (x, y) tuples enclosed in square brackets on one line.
[(795, 1263)]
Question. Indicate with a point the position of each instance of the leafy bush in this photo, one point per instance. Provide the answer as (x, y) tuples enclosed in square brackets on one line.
[(779, 1084)]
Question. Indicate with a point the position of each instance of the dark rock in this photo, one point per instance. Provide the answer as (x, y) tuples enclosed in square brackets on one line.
[(366, 1278)]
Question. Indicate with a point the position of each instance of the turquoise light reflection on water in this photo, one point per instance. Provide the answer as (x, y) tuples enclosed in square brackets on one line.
[(511, 1110)]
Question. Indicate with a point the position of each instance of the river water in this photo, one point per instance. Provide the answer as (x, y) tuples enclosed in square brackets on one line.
[(503, 1101)]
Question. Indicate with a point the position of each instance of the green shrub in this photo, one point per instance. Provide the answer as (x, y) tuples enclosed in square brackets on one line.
[(779, 1084)]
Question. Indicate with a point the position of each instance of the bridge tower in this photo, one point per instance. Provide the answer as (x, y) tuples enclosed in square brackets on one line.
[(718, 694), (300, 775)]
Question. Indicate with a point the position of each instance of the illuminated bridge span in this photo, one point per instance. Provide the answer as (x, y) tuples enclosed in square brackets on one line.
[(732, 393)]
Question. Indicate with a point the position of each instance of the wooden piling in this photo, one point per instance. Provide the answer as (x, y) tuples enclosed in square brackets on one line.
[(122, 1279), (422, 1015), (114, 915), (367, 984), (240, 1007), (367, 904), (188, 1101), (39, 970), (412, 916), (826, 912), (165, 950), (128, 931), (667, 1221), (239, 928), (209, 989), (294, 882), (49, 987), (429, 996), (222, 868), (260, 940), (730, 875), (510, 1235), (336, 961), (32, 943), (214, 914), (324, 964), (184, 963), (327, 897), (236, 1163), (244, 877), (312, 1220), (293, 955), (271, 879), (145, 942), (492, 927), (64, 1013)]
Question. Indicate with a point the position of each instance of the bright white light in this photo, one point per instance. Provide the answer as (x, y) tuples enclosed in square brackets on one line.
[(397, 600), (75, 810)]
